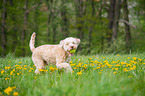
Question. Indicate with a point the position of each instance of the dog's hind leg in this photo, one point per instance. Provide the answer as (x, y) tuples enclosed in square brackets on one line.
[(39, 63)]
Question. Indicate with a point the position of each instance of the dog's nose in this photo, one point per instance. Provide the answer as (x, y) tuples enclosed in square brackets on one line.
[(72, 47)]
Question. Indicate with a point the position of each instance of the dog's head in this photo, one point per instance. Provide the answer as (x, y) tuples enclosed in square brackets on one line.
[(69, 44)]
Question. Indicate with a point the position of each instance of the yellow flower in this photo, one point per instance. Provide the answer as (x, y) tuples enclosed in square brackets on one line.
[(17, 65), (2, 71), (113, 62), (90, 58), (70, 62), (20, 62), (18, 73), (129, 76), (9, 61), (35, 77), (117, 54), (100, 72), (114, 72), (11, 73), (104, 57), (1, 93), (94, 68), (134, 58), (75, 67), (122, 63), (15, 93), (8, 90), (73, 64), (7, 78), (14, 87), (31, 69), (128, 57), (117, 65), (25, 65), (51, 69), (125, 69), (98, 67), (79, 73), (24, 68), (42, 70), (7, 67), (139, 59), (116, 68), (56, 68)]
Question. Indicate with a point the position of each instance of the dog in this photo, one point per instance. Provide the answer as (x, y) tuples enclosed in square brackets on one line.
[(53, 54)]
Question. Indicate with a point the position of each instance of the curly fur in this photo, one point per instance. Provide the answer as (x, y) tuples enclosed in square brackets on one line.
[(53, 54)]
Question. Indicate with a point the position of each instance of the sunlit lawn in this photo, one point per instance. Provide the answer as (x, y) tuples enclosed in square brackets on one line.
[(98, 75)]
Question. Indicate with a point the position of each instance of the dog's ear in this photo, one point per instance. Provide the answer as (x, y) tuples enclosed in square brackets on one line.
[(61, 43), (78, 40)]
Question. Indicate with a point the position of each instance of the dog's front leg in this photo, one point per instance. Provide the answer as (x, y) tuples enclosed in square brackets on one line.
[(65, 66)]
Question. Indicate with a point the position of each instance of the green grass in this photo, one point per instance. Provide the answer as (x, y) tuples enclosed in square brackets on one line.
[(101, 76)]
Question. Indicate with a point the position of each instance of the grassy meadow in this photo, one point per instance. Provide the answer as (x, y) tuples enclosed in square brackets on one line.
[(98, 75)]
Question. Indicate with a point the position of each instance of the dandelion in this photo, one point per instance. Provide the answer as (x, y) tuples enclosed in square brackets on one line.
[(75, 67), (7, 67), (70, 62), (114, 72), (24, 68), (139, 59), (42, 70), (79, 73), (7, 78), (117, 54), (129, 76), (125, 69), (25, 65), (20, 62), (15, 93), (18, 73), (2, 71), (35, 77), (11, 73), (94, 68), (98, 67), (31, 69), (134, 58), (100, 72), (73, 64), (51, 69), (8, 90), (90, 58), (128, 57), (116, 68), (14, 87), (117, 65)]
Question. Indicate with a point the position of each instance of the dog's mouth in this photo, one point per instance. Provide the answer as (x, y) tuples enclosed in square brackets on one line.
[(70, 54)]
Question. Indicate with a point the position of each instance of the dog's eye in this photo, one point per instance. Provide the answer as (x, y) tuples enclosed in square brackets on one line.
[(73, 42), (67, 44)]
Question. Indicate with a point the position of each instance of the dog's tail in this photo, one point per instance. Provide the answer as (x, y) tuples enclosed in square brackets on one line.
[(32, 42)]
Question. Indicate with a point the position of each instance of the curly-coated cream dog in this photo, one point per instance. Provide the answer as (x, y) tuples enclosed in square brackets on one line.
[(53, 54)]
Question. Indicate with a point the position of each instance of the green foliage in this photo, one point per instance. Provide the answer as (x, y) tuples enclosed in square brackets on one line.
[(105, 75), (55, 20)]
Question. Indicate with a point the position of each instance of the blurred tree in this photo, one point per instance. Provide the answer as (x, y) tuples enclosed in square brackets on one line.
[(3, 28), (127, 27), (64, 19)]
